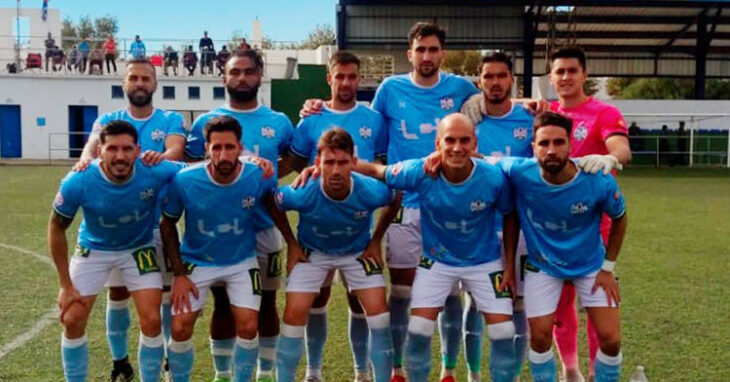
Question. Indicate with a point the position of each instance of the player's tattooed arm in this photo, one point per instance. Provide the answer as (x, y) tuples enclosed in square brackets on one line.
[(510, 236), (58, 246), (606, 279)]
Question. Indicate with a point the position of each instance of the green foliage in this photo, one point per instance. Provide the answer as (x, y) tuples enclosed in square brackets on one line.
[(590, 87), (462, 62), (323, 34), (665, 88), (96, 30)]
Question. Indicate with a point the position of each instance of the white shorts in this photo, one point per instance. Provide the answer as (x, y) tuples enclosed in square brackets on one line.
[(269, 244), (138, 269), (435, 281), (542, 292), (403, 240), (242, 282), (115, 278), (309, 277), (520, 261)]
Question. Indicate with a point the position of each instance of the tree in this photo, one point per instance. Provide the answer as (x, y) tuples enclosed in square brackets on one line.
[(68, 34), (590, 87), (105, 26), (85, 27), (96, 29), (462, 62), (665, 88), (323, 34)]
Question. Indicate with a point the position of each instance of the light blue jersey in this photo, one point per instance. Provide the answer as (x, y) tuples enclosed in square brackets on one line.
[(562, 223), (364, 124), (151, 131), (220, 219), (506, 135), (457, 220), (335, 227), (412, 114), (116, 216), (265, 133)]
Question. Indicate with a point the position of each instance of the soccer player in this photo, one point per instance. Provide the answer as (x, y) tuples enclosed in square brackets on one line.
[(460, 244), (219, 198), (334, 232), (161, 136), (267, 134), (412, 105), (367, 130), (118, 195), (560, 209)]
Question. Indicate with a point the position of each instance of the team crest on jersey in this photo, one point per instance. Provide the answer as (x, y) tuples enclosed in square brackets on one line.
[(478, 205), (248, 202), (447, 103), (366, 132), (268, 132), (578, 208), (395, 169), (360, 214), (158, 135), (147, 194), (520, 133), (58, 201), (580, 133)]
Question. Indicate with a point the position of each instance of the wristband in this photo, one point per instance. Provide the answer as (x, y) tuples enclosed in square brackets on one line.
[(608, 265)]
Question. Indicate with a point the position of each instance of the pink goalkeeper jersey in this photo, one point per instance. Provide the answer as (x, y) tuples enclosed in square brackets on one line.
[(593, 122)]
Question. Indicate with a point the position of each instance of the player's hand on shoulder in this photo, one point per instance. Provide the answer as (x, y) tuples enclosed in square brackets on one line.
[(595, 163), (267, 168), (309, 173), (311, 106), (82, 165), (151, 158), (66, 298), (182, 287), (607, 281), (295, 254), (432, 164), (475, 108), (533, 105)]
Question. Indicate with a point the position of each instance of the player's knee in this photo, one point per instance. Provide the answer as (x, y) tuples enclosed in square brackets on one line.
[(181, 330), (150, 323), (74, 322), (295, 317), (541, 340), (247, 328), (610, 343), (118, 293), (322, 298)]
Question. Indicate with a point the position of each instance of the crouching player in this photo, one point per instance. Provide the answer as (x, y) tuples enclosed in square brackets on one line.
[(460, 245), (218, 198), (334, 233), (118, 194), (560, 210)]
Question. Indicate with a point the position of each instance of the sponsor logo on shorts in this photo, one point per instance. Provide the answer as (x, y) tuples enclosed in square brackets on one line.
[(146, 259), (370, 266), (255, 275), (497, 278), (425, 262)]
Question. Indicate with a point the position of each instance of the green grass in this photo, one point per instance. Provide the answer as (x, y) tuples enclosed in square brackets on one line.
[(673, 273)]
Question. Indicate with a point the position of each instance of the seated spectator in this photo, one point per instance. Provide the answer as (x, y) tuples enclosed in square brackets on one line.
[(190, 60), (170, 59), (58, 60), (85, 50), (50, 44), (244, 45), (96, 60), (223, 56), (206, 61), (73, 59), (110, 53)]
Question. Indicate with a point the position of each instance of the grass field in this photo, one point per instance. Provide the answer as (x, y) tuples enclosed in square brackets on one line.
[(673, 272)]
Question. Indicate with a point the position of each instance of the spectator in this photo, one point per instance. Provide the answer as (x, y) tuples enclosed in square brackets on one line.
[(190, 60), (682, 157), (635, 141), (244, 45), (73, 59), (205, 41), (110, 53), (85, 50), (137, 49), (206, 61), (58, 60), (96, 59), (222, 58), (50, 44), (665, 156), (170, 59)]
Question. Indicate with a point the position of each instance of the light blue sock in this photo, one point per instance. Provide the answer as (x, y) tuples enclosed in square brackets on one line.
[(166, 315), (358, 330), (399, 304), (180, 358), (542, 366), (245, 358), (473, 329), (607, 368), (117, 327), (503, 362), (75, 357), (418, 352), (267, 354), (381, 346), (521, 335), (150, 353), (316, 336), (288, 352), (450, 323), (222, 352)]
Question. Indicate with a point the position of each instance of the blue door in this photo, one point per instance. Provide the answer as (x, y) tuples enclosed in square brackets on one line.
[(10, 143), (80, 121)]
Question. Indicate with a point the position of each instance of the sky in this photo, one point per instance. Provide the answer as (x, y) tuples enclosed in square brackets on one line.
[(282, 20)]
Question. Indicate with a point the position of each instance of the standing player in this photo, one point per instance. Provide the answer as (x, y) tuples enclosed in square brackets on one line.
[(267, 134), (219, 198), (560, 209), (366, 128), (118, 196), (161, 136), (412, 105), (334, 230)]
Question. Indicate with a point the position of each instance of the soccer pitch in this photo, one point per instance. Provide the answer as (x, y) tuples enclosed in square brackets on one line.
[(673, 273)]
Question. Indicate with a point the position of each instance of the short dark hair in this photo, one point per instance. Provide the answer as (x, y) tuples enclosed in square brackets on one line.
[(570, 52), (251, 54), (343, 58), (497, 57), (143, 61), (336, 139), (118, 127), (551, 118), (423, 29), (221, 124)]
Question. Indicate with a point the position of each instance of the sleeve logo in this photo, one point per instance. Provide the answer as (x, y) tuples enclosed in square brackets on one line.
[(58, 201), (396, 168)]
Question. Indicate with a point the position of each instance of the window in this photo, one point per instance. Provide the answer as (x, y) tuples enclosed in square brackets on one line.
[(193, 92), (219, 92), (117, 92), (168, 92)]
